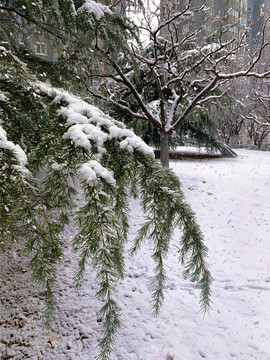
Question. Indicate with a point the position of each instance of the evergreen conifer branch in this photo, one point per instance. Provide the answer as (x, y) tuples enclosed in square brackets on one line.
[(24, 214), (99, 239), (163, 216), (44, 244), (12, 180), (71, 144)]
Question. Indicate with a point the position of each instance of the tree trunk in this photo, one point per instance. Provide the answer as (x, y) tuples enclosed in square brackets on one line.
[(164, 149)]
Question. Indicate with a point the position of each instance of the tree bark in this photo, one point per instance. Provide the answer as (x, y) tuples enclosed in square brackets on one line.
[(164, 149)]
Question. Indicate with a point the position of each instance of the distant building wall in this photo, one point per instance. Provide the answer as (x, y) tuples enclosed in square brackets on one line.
[(242, 14), (44, 47)]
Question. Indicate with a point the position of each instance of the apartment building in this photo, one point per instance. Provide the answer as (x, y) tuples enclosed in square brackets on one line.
[(38, 43), (237, 15), (46, 47)]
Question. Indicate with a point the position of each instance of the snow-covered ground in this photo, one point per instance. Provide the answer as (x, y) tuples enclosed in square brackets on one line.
[(231, 198)]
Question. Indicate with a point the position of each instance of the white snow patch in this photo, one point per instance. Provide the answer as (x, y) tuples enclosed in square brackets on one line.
[(58, 167), (97, 9), (81, 135), (232, 202), (92, 170), (20, 155), (87, 122), (211, 47), (132, 143), (3, 96)]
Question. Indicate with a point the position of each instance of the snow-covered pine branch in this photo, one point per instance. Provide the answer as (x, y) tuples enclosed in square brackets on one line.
[(70, 145)]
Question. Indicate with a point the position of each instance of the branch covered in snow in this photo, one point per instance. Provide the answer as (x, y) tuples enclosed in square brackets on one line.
[(73, 147), (95, 8), (16, 150)]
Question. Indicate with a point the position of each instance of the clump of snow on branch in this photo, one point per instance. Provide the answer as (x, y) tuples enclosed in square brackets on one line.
[(58, 167), (80, 134), (130, 144), (91, 170), (16, 150), (211, 47), (3, 96), (6, 52), (97, 9), (87, 123)]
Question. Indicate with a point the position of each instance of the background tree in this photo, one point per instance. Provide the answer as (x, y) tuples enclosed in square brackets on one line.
[(228, 115), (229, 123), (53, 143), (257, 120), (251, 107), (177, 74)]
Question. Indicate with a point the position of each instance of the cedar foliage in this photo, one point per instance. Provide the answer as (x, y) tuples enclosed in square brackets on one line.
[(53, 143)]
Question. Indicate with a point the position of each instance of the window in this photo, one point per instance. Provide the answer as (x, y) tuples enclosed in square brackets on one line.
[(235, 13), (236, 3), (234, 16), (41, 48), (243, 20)]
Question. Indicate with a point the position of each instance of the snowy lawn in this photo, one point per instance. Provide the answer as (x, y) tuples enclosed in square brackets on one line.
[(231, 198)]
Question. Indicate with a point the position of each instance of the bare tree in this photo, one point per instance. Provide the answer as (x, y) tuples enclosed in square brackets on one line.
[(178, 72), (257, 120), (229, 122)]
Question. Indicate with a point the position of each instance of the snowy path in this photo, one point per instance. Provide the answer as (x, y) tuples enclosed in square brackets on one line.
[(232, 200)]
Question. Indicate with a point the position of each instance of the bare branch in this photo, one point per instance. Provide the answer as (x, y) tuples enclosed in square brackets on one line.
[(255, 119), (132, 88), (194, 102), (117, 104), (245, 73), (137, 96), (212, 97)]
